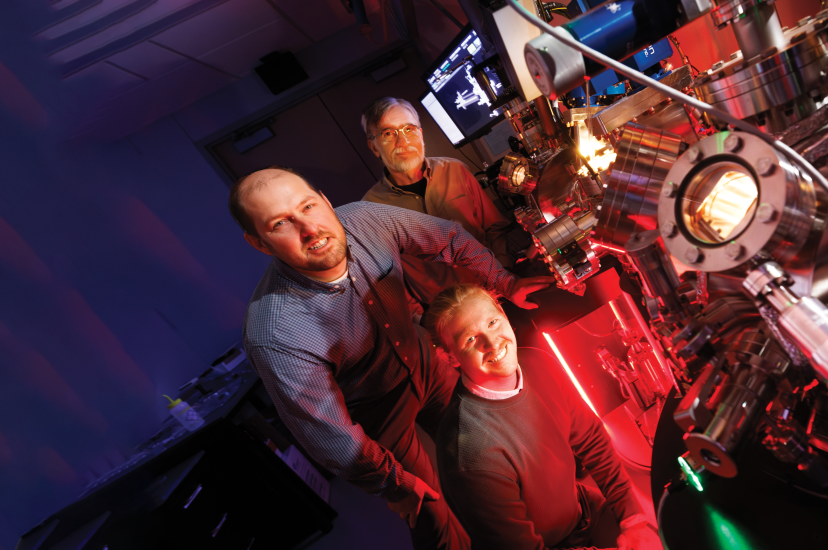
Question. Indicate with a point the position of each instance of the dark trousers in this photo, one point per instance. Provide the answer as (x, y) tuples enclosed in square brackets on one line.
[(390, 422), (598, 527)]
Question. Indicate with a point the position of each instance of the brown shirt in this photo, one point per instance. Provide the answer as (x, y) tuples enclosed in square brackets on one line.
[(452, 193)]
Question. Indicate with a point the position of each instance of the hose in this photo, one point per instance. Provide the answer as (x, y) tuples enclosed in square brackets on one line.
[(670, 92), (658, 516)]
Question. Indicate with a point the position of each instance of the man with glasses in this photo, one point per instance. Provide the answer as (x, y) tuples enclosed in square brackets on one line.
[(439, 186)]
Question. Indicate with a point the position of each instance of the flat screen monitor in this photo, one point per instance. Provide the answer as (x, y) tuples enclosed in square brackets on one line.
[(455, 98)]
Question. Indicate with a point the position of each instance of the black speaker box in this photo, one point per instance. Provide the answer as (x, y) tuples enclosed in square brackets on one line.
[(280, 71)]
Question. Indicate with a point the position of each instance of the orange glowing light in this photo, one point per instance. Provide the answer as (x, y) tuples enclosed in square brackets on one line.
[(590, 147), (569, 372)]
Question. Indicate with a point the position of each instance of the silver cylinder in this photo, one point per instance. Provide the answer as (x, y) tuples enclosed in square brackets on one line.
[(804, 320), (736, 416), (645, 156), (590, 187), (780, 76), (658, 275), (758, 31), (558, 234), (757, 362)]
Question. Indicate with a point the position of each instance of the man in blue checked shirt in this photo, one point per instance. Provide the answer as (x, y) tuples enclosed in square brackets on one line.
[(329, 332)]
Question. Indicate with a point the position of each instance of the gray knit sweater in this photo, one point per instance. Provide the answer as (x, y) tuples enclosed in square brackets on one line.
[(507, 467)]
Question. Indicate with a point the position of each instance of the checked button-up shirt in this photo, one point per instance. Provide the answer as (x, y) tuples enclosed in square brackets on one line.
[(322, 348)]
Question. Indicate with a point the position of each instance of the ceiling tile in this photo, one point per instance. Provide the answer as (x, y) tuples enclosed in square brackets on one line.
[(218, 26), (148, 60), (162, 96), (158, 16), (242, 55), (87, 18), (103, 80), (294, 6), (322, 18)]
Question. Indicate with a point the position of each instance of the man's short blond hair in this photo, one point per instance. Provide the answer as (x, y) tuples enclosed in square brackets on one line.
[(445, 306)]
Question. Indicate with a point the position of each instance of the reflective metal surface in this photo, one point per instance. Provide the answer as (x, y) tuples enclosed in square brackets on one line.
[(518, 174), (731, 197), (566, 248), (645, 156), (721, 232), (777, 87)]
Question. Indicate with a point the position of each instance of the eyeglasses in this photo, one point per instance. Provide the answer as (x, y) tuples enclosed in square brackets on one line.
[(388, 135)]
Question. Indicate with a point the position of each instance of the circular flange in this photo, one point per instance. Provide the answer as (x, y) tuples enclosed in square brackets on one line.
[(777, 224), (517, 175), (712, 454), (778, 87)]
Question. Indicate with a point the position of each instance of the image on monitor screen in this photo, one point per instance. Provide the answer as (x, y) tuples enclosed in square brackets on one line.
[(442, 118), (453, 85)]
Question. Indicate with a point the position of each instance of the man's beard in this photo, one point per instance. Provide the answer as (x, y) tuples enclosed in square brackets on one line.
[(330, 260), (400, 165)]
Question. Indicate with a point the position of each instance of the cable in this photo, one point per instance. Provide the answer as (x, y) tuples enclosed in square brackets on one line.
[(447, 13), (580, 326), (671, 93), (684, 58), (658, 516), (470, 160), (794, 485)]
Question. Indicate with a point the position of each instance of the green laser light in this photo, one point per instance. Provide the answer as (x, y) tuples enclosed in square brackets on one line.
[(691, 475)]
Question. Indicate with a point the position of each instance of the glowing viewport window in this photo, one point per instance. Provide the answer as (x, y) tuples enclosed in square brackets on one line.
[(518, 176), (569, 372), (719, 203), (691, 475)]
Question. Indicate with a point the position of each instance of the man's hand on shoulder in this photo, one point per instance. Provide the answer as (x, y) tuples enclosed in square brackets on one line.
[(638, 537), (524, 287), (409, 507)]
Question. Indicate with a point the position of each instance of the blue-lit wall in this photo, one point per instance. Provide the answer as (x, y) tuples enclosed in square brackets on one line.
[(121, 277)]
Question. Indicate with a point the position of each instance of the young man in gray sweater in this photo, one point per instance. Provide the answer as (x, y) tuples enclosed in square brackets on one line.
[(506, 446)]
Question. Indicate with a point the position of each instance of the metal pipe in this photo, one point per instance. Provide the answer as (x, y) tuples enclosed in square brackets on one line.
[(759, 31), (657, 351), (670, 92), (546, 117)]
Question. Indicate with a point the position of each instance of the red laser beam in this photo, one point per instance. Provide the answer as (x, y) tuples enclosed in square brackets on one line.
[(569, 372)]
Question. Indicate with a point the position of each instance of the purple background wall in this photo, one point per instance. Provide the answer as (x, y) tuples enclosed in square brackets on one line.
[(122, 276)]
